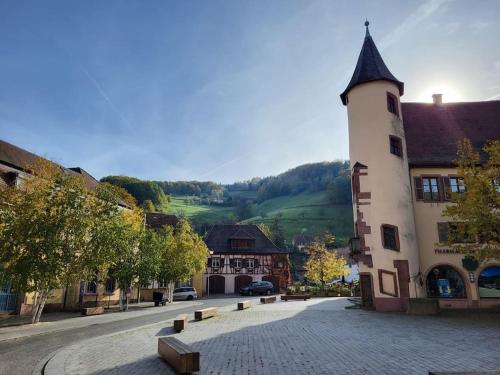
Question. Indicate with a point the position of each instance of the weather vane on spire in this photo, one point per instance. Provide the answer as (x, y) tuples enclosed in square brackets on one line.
[(366, 24)]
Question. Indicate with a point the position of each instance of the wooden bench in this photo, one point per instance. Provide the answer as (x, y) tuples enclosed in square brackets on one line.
[(93, 310), (244, 305), (270, 299), (180, 322), (295, 297), (179, 355), (205, 313)]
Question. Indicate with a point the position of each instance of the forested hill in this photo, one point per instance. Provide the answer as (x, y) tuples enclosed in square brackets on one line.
[(305, 178), (308, 199)]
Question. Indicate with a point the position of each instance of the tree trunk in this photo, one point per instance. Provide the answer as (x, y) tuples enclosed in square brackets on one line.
[(170, 290), (39, 305), (138, 293)]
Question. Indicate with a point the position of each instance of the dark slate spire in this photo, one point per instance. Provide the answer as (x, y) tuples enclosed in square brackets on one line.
[(370, 67)]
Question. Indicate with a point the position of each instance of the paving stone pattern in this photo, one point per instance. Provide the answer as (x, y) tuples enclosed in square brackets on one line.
[(313, 337)]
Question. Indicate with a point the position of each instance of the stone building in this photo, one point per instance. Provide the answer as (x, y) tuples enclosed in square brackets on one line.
[(401, 157)]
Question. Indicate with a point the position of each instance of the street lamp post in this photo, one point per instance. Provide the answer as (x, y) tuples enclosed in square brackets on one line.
[(208, 277)]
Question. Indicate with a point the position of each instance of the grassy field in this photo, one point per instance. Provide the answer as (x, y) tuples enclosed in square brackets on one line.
[(310, 213)]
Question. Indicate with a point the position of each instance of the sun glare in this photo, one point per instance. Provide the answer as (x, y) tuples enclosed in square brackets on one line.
[(450, 93)]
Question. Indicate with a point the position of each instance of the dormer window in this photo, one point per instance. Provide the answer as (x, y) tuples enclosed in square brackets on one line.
[(241, 243), (392, 104)]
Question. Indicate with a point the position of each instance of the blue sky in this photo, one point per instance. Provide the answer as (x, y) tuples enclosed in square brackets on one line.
[(221, 90)]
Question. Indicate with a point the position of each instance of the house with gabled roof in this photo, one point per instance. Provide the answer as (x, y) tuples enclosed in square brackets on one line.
[(240, 254), (14, 169), (403, 176)]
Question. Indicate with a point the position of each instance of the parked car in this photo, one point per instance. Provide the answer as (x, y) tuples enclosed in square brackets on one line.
[(187, 293), (258, 287)]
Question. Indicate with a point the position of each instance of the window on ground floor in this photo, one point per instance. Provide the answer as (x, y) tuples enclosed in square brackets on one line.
[(489, 282), (445, 282), (91, 286), (110, 285)]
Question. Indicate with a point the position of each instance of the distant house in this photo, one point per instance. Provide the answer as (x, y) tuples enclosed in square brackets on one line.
[(157, 220), (301, 241), (240, 254)]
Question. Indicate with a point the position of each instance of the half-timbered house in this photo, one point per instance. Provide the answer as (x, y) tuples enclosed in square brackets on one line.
[(240, 254)]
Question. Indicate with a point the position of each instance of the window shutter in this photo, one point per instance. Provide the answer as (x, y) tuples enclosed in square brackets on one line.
[(231, 262), (419, 191), (443, 231), (256, 263), (447, 188), (245, 263), (441, 192), (209, 263)]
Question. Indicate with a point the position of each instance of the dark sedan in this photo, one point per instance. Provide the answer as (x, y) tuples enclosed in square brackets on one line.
[(258, 287)]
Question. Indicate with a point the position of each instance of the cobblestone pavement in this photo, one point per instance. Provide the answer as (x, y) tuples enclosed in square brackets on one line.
[(314, 337)]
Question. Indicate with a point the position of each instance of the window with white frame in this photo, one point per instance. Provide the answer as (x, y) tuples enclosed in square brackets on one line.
[(215, 262), (238, 263), (250, 263)]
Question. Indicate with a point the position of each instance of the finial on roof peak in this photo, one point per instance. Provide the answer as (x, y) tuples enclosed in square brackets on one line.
[(367, 23)]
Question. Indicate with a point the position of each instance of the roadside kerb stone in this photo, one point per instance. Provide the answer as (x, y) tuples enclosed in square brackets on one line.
[(27, 330)]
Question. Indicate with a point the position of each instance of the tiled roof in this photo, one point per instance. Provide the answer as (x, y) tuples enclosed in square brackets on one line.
[(370, 67), (20, 159), (218, 239), (432, 131), (157, 220), (16, 157)]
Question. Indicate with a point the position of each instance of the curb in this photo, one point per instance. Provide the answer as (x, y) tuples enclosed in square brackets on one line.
[(55, 362), (55, 329)]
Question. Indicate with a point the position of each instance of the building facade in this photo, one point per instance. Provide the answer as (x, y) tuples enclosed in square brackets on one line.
[(240, 254), (401, 157), (13, 171)]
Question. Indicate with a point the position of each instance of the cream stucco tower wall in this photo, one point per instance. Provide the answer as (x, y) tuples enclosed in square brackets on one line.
[(381, 184)]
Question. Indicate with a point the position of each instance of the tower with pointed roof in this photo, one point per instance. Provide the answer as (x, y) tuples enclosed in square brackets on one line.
[(385, 244)]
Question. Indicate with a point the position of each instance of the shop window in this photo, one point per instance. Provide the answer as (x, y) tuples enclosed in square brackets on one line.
[(390, 237), (489, 282), (396, 146), (445, 282)]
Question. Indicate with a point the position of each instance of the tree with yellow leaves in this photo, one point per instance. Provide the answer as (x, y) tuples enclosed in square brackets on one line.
[(323, 265), (476, 212)]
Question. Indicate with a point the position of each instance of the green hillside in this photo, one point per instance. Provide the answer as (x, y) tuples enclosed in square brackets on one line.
[(306, 212)]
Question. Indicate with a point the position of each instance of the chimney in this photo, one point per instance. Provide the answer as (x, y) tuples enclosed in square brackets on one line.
[(437, 99)]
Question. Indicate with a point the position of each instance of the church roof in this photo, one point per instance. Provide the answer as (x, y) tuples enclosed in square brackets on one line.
[(370, 67), (432, 131)]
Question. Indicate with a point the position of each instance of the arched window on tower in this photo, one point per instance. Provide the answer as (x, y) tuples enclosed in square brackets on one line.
[(445, 282)]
